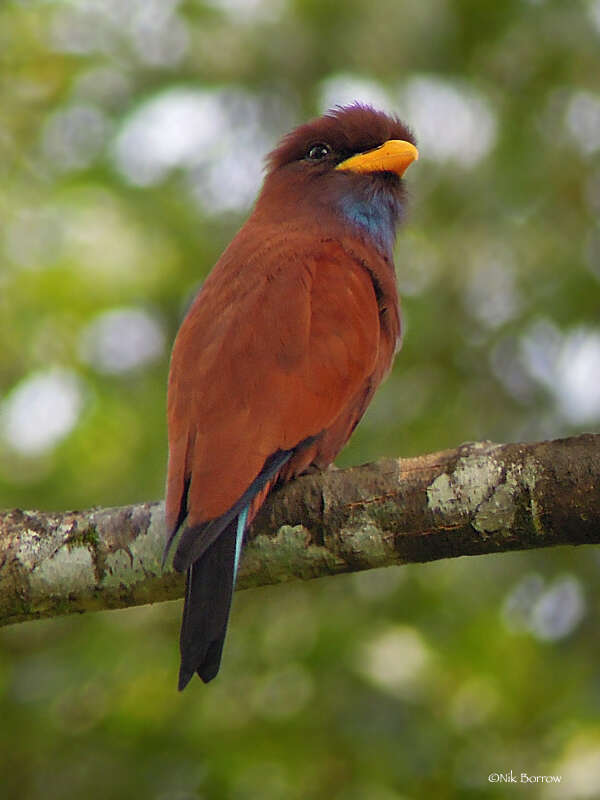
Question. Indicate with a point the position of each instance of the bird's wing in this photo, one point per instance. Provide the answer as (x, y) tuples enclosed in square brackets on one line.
[(268, 356)]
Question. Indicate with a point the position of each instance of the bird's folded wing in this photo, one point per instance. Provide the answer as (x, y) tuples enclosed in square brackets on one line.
[(269, 355)]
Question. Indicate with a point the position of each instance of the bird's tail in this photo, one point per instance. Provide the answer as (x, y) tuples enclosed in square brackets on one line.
[(210, 554), (208, 593)]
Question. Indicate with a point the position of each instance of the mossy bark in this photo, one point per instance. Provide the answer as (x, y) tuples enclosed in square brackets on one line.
[(479, 498)]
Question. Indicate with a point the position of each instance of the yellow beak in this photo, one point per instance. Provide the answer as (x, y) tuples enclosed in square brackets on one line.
[(395, 155)]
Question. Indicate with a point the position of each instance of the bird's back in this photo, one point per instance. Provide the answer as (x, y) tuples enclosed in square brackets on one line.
[(311, 334)]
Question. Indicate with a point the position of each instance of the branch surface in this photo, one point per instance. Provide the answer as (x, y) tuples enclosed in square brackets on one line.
[(479, 498)]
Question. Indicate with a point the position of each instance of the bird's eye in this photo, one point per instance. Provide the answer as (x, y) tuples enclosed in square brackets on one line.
[(318, 151)]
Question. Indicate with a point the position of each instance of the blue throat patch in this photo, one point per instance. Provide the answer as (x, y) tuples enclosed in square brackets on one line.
[(376, 215)]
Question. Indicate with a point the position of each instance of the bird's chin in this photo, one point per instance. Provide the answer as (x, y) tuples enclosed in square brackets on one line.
[(387, 188), (388, 180)]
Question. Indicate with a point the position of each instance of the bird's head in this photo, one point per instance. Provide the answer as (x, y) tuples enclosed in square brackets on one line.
[(344, 167)]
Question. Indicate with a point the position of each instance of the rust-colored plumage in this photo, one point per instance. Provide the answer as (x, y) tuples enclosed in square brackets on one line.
[(282, 349)]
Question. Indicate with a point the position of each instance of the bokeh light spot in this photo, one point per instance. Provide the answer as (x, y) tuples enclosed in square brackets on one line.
[(74, 137), (549, 612), (121, 340), (218, 137), (345, 88), (396, 660), (583, 121), (41, 410), (453, 122), (568, 366)]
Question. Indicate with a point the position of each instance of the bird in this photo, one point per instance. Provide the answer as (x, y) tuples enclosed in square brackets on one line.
[(281, 350)]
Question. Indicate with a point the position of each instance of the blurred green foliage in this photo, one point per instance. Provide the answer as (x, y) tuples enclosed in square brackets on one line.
[(130, 139)]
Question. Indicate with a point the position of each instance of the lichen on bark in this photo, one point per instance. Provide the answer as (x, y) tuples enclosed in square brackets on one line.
[(479, 498)]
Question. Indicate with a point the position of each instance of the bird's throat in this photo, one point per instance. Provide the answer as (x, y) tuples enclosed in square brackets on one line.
[(377, 217)]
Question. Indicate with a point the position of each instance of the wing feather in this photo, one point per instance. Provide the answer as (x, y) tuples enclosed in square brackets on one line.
[(270, 354)]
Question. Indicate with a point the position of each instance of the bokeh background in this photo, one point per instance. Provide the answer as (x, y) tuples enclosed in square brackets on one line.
[(132, 137)]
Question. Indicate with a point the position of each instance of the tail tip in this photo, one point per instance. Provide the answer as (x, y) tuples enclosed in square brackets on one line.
[(185, 676)]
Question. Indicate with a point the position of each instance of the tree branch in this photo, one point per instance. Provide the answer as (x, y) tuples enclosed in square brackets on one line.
[(479, 498)]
